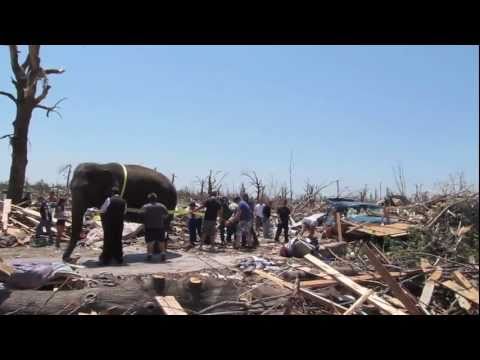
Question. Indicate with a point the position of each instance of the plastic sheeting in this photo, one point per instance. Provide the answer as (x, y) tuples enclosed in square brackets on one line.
[(34, 275)]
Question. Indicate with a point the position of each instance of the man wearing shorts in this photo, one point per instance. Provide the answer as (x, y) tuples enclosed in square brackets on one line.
[(244, 216), (154, 221)]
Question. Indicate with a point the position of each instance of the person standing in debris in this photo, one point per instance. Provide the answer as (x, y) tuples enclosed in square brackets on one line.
[(252, 231), (155, 216), (266, 212), (194, 224), (226, 213), (244, 217), (112, 211), (61, 217), (209, 225), (258, 211), (283, 218), (45, 219)]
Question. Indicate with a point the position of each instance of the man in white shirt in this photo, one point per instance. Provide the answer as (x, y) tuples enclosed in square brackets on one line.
[(258, 212)]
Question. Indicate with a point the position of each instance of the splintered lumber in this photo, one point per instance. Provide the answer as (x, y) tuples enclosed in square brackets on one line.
[(469, 294), (320, 283), (339, 226), (360, 290), (392, 284), (170, 305), (274, 279), (310, 294), (379, 253), (392, 230), (463, 303), (22, 225), (358, 303), (427, 291), (462, 280), (7, 203)]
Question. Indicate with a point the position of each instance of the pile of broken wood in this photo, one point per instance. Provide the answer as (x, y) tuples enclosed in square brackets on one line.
[(22, 223), (381, 287)]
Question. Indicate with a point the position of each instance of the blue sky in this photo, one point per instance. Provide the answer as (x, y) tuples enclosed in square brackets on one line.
[(347, 112)]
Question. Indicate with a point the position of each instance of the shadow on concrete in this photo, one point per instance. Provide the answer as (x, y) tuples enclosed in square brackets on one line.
[(132, 259)]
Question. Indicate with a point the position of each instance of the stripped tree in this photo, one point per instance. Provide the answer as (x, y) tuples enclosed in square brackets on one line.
[(214, 180), (399, 176), (256, 183), (28, 75), (201, 182)]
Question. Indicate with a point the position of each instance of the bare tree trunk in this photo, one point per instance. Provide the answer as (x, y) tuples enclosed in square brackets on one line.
[(27, 76), (19, 143), (291, 175)]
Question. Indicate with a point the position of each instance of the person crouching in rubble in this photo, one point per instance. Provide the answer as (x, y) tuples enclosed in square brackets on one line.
[(154, 221), (112, 212), (194, 224), (309, 226), (45, 219), (299, 248), (61, 216), (244, 217)]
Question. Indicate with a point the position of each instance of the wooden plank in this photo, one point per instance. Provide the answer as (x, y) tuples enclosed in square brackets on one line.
[(374, 299), (460, 290), (274, 279), (7, 203), (425, 264), (311, 295), (315, 284), (462, 280), (170, 305), (358, 303), (380, 254), (399, 293), (429, 287), (339, 226), (463, 303)]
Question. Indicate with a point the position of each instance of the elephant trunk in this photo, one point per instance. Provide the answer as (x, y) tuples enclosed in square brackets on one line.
[(78, 210)]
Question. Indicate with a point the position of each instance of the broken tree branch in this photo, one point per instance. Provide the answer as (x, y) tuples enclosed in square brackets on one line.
[(17, 70), (10, 96), (51, 108), (54, 71)]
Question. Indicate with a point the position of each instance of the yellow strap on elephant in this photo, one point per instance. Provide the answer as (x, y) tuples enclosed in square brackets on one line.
[(125, 177)]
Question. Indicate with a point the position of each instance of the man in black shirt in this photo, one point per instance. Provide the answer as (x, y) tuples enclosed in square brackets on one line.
[(283, 217), (45, 219), (113, 211), (209, 225), (154, 221)]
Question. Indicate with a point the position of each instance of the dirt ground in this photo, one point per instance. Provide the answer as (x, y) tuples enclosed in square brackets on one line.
[(178, 259)]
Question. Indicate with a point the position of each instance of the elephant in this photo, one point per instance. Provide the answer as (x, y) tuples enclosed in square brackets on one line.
[(92, 182)]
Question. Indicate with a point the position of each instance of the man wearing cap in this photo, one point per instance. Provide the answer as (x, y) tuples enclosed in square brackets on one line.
[(112, 211), (155, 215)]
